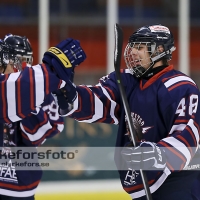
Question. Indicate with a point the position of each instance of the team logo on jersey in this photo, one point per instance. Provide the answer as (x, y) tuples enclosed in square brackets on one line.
[(8, 172), (138, 124), (130, 177), (8, 135), (7, 169)]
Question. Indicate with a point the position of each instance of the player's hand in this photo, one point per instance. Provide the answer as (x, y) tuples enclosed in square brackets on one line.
[(145, 156), (64, 57), (67, 94), (61, 100)]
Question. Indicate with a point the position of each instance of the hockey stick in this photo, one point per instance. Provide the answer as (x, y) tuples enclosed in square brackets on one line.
[(117, 63)]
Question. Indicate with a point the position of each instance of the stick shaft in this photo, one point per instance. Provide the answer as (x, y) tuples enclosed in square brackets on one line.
[(117, 63)]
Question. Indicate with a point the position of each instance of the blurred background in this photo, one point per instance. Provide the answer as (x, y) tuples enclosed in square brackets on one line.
[(92, 22)]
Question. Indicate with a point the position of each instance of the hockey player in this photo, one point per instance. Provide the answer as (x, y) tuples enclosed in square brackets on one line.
[(163, 101), (31, 130), (28, 112)]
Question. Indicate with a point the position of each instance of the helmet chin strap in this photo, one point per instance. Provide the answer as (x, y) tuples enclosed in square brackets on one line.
[(148, 71), (138, 71), (155, 59)]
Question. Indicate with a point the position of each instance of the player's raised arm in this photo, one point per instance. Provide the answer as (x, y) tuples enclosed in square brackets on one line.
[(22, 92), (99, 103), (86, 103)]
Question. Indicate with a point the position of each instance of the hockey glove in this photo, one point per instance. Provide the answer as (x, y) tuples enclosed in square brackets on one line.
[(66, 95), (145, 156), (64, 57), (62, 101)]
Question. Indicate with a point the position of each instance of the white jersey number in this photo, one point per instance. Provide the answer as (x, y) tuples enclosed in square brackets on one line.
[(52, 111), (181, 109)]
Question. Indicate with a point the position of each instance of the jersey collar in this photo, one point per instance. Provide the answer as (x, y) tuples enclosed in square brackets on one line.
[(155, 77)]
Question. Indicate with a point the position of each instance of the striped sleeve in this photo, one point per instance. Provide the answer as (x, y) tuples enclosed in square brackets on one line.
[(183, 139), (42, 124), (96, 103), (22, 92)]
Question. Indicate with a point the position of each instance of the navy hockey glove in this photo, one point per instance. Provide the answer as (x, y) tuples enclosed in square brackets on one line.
[(64, 57), (61, 99), (145, 156), (66, 95)]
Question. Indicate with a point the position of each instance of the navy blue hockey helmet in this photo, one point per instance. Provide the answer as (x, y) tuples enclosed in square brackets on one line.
[(15, 50), (153, 36)]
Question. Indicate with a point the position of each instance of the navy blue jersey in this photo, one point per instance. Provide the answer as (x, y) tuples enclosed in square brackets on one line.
[(28, 116), (22, 92), (166, 108)]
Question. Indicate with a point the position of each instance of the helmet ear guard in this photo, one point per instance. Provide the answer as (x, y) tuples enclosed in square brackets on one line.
[(153, 36)]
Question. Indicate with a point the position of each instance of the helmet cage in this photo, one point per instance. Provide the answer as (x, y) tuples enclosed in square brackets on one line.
[(152, 49), (139, 67)]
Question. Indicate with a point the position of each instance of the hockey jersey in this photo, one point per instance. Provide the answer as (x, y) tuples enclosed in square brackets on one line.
[(28, 115), (22, 92), (166, 109)]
